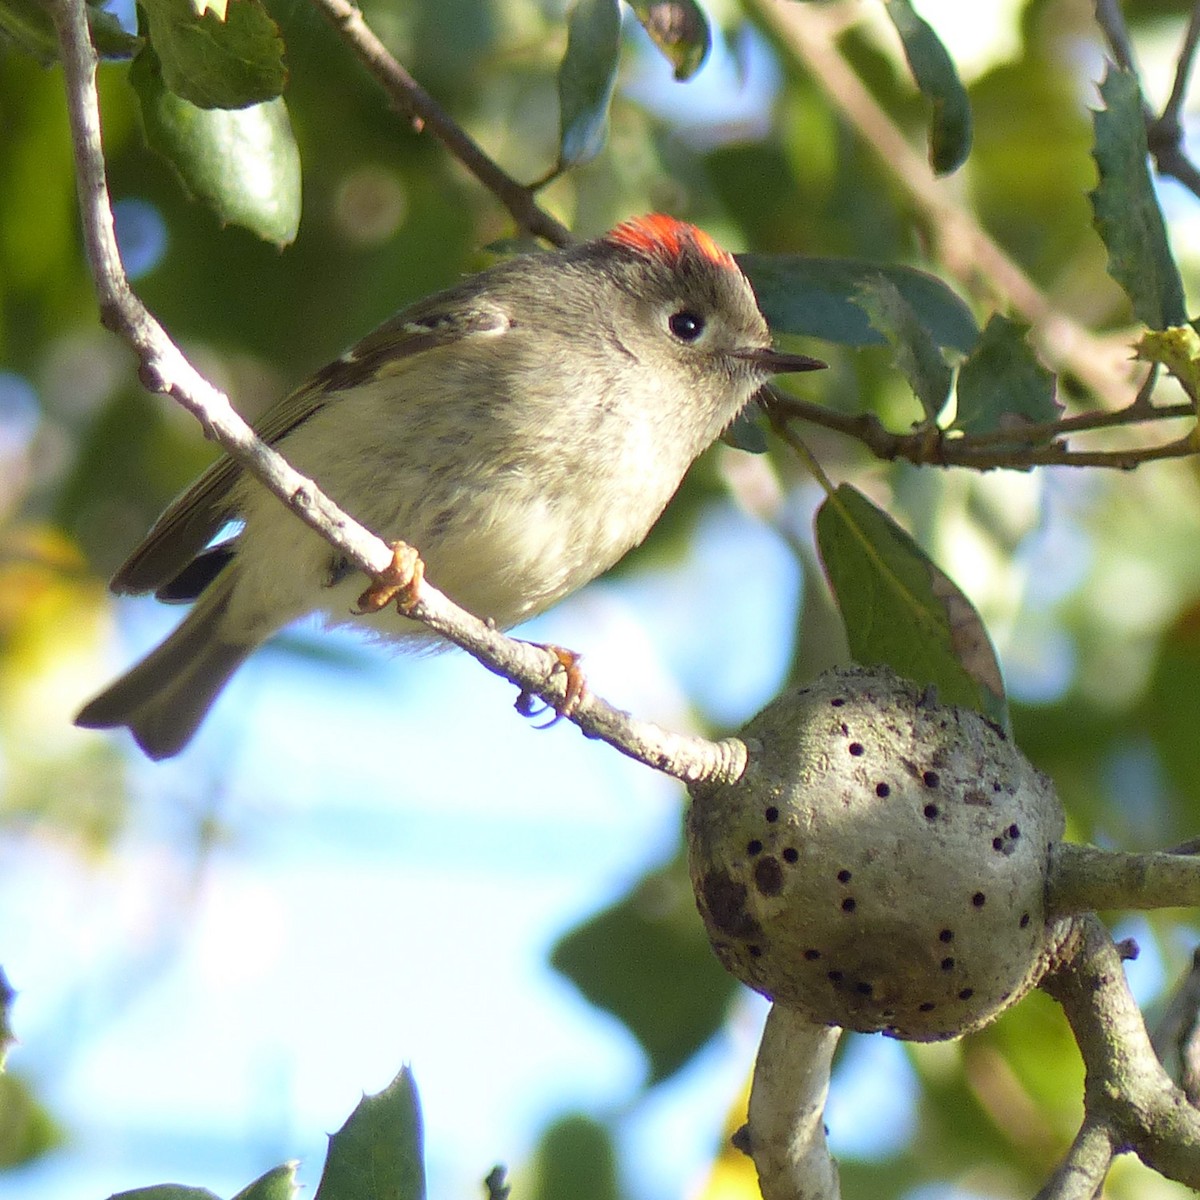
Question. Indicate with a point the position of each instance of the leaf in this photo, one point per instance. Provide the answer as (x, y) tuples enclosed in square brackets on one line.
[(279, 1183), (680, 29), (935, 75), (647, 961), (1127, 215), (576, 1160), (215, 63), (815, 297), (27, 23), (242, 163), (914, 351), (901, 610), (586, 78), (1002, 385), (378, 1154), (745, 433), (166, 1191)]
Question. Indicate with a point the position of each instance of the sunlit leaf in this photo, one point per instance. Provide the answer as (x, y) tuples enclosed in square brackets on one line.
[(166, 1191), (1002, 385), (816, 297), (647, 961), (914, 350), (679, 28), (378, 1154), (243, 162), (1127, 214), (27, 24), (586, 78), (277, 1184), (215, 61), (901, 610), (935, 74)]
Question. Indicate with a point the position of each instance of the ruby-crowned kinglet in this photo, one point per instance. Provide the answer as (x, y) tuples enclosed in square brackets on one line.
[(522, 430)]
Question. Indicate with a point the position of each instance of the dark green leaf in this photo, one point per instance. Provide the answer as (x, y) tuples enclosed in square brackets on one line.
[(901, 610), (815, 297), (679, 28), (27, 23), (647, 961), (586, 78), (576, 1161), (1002, 385), (934, 72), (745, 433), (1127, 214), (215, 63), (914, 351), (243, 163), (277, 1184), (378, 1154)]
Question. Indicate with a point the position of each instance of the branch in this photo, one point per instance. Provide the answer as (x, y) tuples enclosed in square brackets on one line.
[(1084, 879), (163, 368), (1127, 1095), (806, 35), (408, 95), (1080, 1175), (787, 1108)]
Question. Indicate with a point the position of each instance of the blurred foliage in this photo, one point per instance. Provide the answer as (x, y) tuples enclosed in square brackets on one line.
[(1089, 585)]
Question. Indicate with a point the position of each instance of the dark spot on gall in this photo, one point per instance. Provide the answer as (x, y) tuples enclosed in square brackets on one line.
[(790, 854), (855, 748), (979, 899), (863, 988), (754, 846), (966, 993), (835, 977), (768, 876), (725, 900), (882, 790), (1024, 920), (931, 779), (772, 814), (926, 1006), (812, 955), (947, 964), (849, 904), (931, 812), (837, 702), (947, 935), (755, 951), (844, 876), (997, 843), (1014, 831)]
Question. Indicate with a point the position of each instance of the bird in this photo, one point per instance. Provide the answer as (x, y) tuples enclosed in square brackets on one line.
[(522, 430)]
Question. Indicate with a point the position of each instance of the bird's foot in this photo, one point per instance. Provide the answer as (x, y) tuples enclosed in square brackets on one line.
[(576, 687), (400, 581)]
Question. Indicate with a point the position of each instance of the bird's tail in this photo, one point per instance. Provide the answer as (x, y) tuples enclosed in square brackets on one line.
[(164, 697)]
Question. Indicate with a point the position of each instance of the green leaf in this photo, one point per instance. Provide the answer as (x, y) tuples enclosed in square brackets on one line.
[(243, 163), (935, 75), (745, 433), (679, 28), (279, 1183), (27, 23), (815, 297), (647, 961), (1127, 214), (576, 1160), (914, 351), (1002, 385), (901, 610), (377, 1154), (166, 1191), (215, 63), (586, 78)]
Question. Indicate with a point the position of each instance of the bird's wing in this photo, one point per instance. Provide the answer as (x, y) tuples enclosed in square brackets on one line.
[(194, 518)]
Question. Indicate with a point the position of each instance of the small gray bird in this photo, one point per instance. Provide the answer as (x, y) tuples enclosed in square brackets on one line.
[(522, 430)]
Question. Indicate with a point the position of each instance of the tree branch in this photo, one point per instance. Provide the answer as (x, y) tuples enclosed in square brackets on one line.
[(163, 368), (408, 95), (1085, 879), (1127, 1094), (787, 1108)]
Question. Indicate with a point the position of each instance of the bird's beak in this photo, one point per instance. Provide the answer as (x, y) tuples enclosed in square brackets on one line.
[(775, 362)]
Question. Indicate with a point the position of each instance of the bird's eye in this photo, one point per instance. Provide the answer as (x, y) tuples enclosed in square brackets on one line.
[(686, 326)]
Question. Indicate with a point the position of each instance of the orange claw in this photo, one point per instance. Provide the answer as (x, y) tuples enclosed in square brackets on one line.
[(576, 687), (400, 581)]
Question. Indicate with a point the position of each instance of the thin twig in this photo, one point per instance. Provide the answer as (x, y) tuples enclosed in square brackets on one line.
[(164, 368), (408, 95), (806, 35)]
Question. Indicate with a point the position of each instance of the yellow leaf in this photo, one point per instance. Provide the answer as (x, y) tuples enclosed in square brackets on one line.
[(217, 6)]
